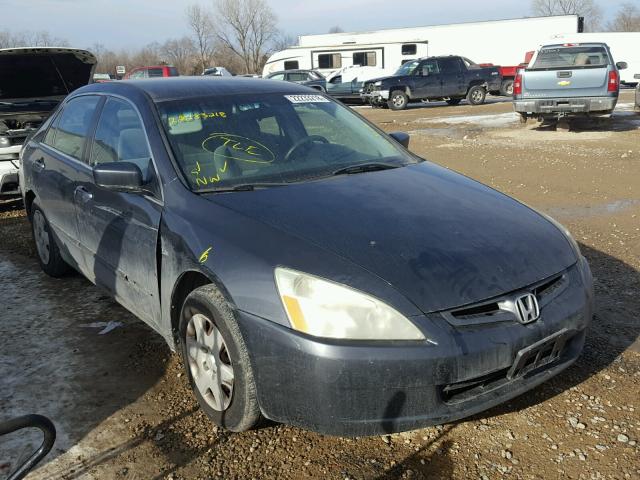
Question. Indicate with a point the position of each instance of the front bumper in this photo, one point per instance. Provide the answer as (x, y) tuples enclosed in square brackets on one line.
[(9, 184), (566, 106), (375, 96), (364, 388)]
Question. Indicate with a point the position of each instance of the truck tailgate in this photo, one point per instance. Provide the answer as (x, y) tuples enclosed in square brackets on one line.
[(587, 82)]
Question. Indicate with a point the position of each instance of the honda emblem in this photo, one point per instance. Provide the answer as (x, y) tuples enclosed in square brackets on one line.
[(527, 308)]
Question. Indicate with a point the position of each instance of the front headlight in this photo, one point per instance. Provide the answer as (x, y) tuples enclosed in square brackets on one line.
[(326, 309), (378, 83)]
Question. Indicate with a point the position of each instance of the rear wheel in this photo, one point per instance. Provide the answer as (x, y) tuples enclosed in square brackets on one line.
[(454, 101), (476, 95), (49, 255), (217, 362), (506, 88), (398, 100)]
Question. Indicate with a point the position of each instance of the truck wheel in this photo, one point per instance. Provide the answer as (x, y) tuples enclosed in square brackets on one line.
[(506, 88), (216, 360), (523, 118), (398, 100), (49, 256), (454, 101), (476, 95)]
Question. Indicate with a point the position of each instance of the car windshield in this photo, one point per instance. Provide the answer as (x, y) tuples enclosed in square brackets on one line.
[(570, 57), (408, 68), (236, 140)]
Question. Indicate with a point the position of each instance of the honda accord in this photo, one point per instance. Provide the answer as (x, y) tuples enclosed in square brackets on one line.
[(307, 266)]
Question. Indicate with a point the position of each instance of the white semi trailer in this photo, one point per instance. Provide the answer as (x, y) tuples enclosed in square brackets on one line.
[(501, 42)]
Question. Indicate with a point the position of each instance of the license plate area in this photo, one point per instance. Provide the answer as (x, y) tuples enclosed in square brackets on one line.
[(540, 354)]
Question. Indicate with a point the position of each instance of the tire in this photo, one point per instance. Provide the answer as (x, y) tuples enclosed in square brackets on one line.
[(523, 118), (47, 247), (398, 100), (454, 101), (476, 95), (506, 89), (211, 342)]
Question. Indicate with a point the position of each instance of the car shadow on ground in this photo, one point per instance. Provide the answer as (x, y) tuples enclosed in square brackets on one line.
[(622, 121)]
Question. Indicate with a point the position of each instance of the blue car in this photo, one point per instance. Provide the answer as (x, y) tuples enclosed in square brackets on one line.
[(308, 267)]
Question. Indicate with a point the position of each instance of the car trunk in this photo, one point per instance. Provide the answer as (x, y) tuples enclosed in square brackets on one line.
[(583, 82)]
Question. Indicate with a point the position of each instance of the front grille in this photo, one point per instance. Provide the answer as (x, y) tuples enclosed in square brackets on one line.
[(496, 310)]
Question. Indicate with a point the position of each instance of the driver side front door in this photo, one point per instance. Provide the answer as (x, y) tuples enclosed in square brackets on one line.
[(119, 230), (426, 80)]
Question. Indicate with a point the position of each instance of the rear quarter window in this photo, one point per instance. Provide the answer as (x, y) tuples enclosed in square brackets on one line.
[(69, 133)]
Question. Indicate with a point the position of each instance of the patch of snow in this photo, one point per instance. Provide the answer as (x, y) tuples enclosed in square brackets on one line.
[(490, 121)]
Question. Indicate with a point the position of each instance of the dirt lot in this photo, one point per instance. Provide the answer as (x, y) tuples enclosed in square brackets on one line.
[(123, 408)]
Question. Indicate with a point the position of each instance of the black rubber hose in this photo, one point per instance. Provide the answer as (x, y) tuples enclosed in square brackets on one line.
[(31, 421)]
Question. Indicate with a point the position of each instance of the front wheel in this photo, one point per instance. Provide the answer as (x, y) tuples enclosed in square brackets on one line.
[(476, 95), (217, 362), (398, 100), (49, 256)]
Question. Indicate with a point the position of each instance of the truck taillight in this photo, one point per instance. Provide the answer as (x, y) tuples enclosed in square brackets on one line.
[(614, 81), (517, 84)]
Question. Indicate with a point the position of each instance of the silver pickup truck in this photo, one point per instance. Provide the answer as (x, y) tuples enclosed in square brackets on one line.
[(568, 80)]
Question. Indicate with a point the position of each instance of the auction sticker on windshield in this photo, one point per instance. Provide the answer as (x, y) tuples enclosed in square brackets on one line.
[(306, 99)]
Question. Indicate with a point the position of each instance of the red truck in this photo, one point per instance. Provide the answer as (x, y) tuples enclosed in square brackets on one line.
[(508, 75)]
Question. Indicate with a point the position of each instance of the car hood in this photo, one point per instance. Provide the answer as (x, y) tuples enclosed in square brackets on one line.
[(441, 239), (43, 73), (381, 79)]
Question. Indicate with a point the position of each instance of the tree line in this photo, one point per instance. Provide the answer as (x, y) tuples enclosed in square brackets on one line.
[(241, 34)]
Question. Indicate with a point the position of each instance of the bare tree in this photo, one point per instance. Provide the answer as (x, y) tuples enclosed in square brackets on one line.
[(627, 19), (585, 8), (201, 25), (182, 54), (9, 39), (284, 41), (247, 28), (336, 29)]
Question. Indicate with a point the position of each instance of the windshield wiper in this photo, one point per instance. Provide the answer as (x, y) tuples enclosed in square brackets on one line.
[(244, 187), (365, 167)]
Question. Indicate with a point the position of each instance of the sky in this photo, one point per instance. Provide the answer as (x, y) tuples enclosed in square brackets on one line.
[(133, 23)]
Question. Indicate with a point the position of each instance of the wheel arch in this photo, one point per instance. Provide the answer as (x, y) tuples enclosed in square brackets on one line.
[(404, 88), (186, 283)]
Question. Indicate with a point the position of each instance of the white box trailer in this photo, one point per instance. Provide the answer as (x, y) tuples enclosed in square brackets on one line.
[(501, 42), (625, 47)]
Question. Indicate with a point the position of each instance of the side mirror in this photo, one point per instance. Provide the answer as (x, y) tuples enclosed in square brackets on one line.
[(622, 65), (119, 177), (401, 137)]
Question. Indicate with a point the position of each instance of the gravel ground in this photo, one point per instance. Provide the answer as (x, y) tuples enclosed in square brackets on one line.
[(124, 410)]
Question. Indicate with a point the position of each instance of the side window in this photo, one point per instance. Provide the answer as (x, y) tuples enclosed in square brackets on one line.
[(409, 49), (155, 72), (120, 137), (364, 59), (173, 72), (138, 74), (329, 60), (277, 76), (298, 77), (430, 67), (449, 65), (291, 65), (70, 130)]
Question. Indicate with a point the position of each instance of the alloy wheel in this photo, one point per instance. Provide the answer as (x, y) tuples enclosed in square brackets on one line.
[(41, 235)]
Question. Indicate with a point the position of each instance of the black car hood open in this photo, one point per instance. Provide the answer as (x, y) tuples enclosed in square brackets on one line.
[(441, 239), (43, 73)]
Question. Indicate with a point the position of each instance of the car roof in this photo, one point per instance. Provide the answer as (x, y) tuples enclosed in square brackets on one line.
[(179, 88), (295, 70)]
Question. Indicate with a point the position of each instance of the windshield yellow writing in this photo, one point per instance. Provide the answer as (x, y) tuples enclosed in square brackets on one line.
[(237, 147), (174, 120)]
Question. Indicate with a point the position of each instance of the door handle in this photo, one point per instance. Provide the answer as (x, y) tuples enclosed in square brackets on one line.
[(38, 164), (82, 194)]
